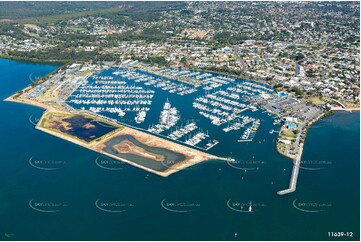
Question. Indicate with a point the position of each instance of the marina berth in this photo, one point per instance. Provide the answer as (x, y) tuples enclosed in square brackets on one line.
[(132, 97), (140, 117), (169, 116), (118, 97)]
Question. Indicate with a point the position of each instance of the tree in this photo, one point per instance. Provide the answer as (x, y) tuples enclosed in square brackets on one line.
[(298, 91), (183, 60)]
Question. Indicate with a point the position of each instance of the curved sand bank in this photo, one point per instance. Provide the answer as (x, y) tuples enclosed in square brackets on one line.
[(191, 156)]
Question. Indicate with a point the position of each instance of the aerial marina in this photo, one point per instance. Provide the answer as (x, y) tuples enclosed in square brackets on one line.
[(163, 83), (107, 95), (186, 108), (180, 120), (250, 132)]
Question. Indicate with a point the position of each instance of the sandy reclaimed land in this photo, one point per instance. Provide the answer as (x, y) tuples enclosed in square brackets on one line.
[(193, 156)]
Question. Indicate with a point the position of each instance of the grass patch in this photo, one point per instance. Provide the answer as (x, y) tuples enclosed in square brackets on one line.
[(289, 134), (281, 146), (76, 29), (84, 73), (48, 20), (316, 100), (32, 26)]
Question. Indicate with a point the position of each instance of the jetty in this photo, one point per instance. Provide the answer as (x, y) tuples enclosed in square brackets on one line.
[(294, 176)]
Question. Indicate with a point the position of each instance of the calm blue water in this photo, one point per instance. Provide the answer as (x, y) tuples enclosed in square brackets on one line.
[(69, 194)]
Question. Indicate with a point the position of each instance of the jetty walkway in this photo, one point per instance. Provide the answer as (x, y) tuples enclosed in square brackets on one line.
[(294, 176)]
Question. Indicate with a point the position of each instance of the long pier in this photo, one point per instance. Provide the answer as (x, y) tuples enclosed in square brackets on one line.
[(294, 176)]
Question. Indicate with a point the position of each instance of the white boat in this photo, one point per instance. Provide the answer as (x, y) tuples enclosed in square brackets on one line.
[(140, 117)]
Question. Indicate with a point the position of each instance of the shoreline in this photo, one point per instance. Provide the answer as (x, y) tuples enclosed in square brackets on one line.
[(36, 61)]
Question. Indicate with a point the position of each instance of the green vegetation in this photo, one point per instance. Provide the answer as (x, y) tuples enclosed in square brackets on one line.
[(160, 60), (55, 54), (52, 19), (228, 38), (298, 91), (13, 29), (26, 10), (288, 134), (148, 34), (44, 13), (143, 11), (316, 100)]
